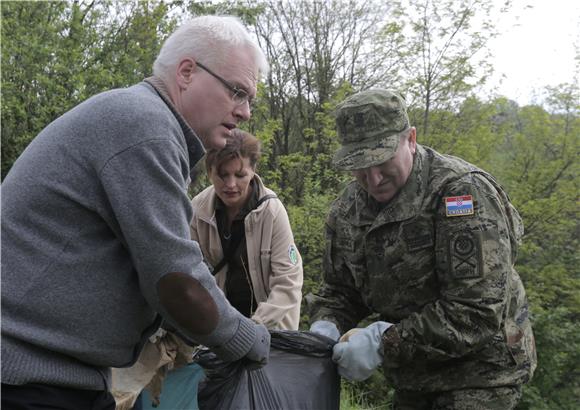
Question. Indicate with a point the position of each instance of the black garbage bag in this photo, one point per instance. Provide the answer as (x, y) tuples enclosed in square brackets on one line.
[(300, 375)]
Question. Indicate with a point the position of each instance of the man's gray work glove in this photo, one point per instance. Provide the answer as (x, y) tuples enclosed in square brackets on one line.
[(325, 328), (359, 356), (259, 353)]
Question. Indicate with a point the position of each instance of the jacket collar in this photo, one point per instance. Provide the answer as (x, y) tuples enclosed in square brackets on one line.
[(195, 147)]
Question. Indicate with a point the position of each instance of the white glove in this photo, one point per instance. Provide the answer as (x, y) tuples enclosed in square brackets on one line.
[(325, 328), (358, 357)]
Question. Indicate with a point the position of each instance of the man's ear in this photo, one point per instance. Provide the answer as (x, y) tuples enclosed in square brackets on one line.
[(185, 70), (412, 139)]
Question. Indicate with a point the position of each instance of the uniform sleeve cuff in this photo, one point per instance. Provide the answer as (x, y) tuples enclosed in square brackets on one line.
[(391, 347)]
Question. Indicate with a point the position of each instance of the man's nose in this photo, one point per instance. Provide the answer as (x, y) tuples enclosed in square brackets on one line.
[(243, 111), (374, 176)]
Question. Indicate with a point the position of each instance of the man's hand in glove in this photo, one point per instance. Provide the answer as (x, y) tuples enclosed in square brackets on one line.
[(259, 353), (325, 328), (361, 353)]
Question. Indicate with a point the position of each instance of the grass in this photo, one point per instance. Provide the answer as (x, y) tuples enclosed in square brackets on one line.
[(354, 399)]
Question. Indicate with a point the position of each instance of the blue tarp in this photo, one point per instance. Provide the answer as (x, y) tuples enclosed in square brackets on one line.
[(179, 390)]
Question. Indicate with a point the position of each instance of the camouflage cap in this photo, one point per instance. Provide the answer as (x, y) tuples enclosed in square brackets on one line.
[(369, 124)]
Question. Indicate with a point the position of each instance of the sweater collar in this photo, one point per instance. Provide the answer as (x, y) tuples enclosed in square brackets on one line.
[(194, 145)]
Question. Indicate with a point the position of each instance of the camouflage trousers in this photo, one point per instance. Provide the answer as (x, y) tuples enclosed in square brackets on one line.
[(493, 398)]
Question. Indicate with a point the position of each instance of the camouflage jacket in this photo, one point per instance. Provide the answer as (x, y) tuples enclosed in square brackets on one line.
[(446, 282)]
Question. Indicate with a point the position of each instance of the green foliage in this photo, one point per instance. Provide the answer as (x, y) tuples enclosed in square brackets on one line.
[(369, 395), (444, 43), (30, 95), (556, 384), (467, 133), (372, 394), (309, 234), (57, 54), (537, 161)]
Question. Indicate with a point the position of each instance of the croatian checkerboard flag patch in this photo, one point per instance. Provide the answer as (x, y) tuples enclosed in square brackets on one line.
[(459, 205)]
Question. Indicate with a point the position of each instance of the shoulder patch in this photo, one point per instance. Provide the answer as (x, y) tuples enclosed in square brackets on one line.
[(465, 259), (459, 205), (293, 254)]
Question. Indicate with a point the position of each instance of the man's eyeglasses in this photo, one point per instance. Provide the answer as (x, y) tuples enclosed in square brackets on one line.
[(239, 95)]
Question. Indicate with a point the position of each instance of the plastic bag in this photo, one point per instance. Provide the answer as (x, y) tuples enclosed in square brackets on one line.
[(299, 375)]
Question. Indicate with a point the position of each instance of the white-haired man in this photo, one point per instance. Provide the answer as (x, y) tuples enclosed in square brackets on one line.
[(96, 244)]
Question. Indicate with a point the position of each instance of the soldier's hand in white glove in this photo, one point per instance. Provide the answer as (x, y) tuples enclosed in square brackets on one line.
[(325, 328), (359, 356)]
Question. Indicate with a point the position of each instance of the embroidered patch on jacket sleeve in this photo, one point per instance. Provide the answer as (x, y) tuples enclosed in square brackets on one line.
[(293, 254), (459, 205), (465, 260)]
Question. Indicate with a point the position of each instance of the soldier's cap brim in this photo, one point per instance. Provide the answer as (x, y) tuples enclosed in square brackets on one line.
[(365, 154)]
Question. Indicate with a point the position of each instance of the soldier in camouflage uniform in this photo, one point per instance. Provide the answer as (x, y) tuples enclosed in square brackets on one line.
[(427, 242)]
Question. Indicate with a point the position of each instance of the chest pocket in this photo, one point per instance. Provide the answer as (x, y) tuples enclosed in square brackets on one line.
[(418, 237), (402, 268), (350, 252)]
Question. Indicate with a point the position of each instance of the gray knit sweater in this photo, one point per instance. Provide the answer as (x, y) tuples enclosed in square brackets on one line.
[(94, 212)]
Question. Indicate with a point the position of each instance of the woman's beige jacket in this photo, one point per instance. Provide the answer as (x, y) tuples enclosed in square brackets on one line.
[(275, 265)]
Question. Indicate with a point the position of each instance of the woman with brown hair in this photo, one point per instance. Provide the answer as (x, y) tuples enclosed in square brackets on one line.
[(245, 236)]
